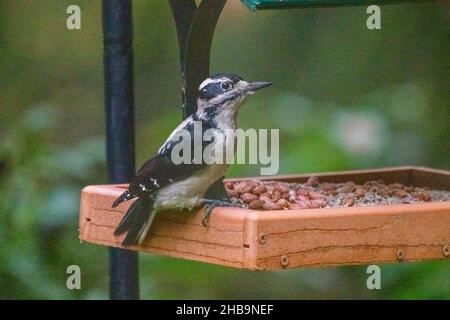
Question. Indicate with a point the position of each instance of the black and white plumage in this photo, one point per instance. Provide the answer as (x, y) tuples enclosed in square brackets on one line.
[(160, 184)]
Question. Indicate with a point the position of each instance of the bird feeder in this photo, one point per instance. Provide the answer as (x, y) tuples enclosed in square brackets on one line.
[(281, 239), (290, 4), (238, 237)]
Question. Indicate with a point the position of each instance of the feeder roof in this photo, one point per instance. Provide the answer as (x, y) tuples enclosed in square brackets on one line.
[(280, 4)]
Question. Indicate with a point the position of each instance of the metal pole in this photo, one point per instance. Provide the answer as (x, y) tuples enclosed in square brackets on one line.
[(119, 100)]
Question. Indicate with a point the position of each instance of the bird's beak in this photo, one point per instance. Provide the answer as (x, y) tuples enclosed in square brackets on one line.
[(251, 87)]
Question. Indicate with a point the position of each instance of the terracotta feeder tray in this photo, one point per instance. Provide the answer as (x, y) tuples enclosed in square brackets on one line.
[(278, 239)]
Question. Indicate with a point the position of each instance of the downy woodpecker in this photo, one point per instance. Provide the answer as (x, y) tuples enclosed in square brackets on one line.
[(162, 185)]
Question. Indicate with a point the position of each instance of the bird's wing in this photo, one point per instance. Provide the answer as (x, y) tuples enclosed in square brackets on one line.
[(160, 171), (156, 173)]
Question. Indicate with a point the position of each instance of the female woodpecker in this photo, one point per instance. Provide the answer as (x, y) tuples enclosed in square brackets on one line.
[(162, 185)]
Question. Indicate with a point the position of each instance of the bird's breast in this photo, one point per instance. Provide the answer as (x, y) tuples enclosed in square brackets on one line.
[(189, 193)]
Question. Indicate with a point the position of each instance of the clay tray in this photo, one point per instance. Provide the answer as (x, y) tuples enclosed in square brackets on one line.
[(269, 240)]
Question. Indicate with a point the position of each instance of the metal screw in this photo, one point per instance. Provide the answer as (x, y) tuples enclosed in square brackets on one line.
[(262, 239), (446, 250), (400, 255), (284, 261)]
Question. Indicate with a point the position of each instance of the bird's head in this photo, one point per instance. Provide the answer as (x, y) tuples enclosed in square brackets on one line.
[(225, 91)]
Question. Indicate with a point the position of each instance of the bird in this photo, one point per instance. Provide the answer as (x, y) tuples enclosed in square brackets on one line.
[(161, 185)]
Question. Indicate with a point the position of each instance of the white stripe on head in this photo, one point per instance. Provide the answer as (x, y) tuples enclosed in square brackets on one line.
[(209, 80)]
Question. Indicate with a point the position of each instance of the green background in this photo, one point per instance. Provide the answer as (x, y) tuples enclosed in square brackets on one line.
[(345, 97)]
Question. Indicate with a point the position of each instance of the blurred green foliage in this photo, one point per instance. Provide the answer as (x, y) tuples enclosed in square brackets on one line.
[(345, 98)]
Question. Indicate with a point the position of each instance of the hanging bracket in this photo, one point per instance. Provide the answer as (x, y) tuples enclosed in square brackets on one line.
[(195, 29)]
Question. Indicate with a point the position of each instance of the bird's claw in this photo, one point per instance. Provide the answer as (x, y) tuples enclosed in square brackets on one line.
[(210, 204)]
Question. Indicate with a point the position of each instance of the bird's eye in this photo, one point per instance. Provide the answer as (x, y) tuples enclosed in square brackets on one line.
[(225, 85)]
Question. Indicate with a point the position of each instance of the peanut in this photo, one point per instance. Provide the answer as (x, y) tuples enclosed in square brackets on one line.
[(346, 188), (266, 199), (303, 203), (229, 185), (318, 203), (423, 196), (359, 192), (259, 189), (326, 186), (244, 188), (349, 201), (256, 204), (248, 197), (396, 186), (312, 181), (283, 203), (276, 196), (315, 195), (401, 193), (282, 188), (303, 192)]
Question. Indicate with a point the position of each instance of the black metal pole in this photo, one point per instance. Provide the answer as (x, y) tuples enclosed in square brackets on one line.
[(119, 100)]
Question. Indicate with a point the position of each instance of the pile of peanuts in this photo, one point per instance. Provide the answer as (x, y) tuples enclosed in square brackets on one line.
[(278, 195)]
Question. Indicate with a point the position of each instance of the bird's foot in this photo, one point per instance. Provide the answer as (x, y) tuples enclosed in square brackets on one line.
[(210, 204)]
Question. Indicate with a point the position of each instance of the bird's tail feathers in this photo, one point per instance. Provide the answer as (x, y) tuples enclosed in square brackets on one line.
[(122, 198), (144, 230), (128, 218), (136, 221)]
